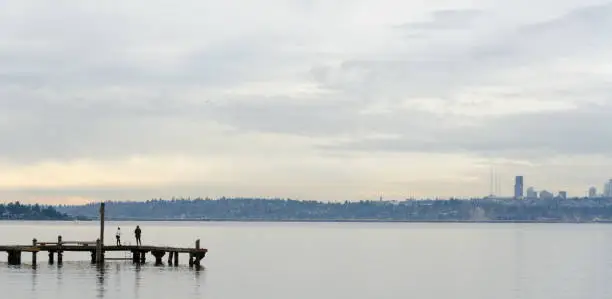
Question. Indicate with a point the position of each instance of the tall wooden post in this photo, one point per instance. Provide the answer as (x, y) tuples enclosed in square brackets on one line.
[(194, 256), (60, 254), (100, 244), (34, 252)]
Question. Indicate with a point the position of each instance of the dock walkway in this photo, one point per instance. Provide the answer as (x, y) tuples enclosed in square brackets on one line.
[(196, 254)]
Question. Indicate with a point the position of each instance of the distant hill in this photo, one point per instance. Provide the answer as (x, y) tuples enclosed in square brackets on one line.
[(18, 211), (250, 209)]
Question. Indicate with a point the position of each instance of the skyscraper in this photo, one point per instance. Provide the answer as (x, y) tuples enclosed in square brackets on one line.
[(518, 187), (592, 192), (608, 189)]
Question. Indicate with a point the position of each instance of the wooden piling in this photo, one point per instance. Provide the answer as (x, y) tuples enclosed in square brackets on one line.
[(176, 258), (100, 243), (159, 255), (51, 257), (34, 252), (170, 255), (14, 257), (196, 255), (99, 251), (60, 254)]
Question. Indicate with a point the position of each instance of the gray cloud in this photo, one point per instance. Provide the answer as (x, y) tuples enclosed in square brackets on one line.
[(444, 19), (443, 68), (55, 88), (525, 136)]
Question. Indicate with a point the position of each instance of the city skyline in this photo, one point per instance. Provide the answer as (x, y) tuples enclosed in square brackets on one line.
[(522, 190), (344, 101)]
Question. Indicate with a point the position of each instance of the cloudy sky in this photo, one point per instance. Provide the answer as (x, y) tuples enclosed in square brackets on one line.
[(323, 100)]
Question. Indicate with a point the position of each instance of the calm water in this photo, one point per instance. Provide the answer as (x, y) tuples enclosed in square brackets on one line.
[(328, 260)]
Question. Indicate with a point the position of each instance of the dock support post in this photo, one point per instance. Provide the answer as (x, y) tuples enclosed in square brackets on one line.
[(143, 257), (191, 259), (60, 254), (51, 257), (170, 255), (14, 257), (99, 252), (176, 258), (93, 256), (100, 241), (34, 252), (159, 255), (197, 256)]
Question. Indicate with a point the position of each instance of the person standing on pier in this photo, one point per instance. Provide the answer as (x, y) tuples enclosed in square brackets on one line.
[(137, 233), (118, 236)]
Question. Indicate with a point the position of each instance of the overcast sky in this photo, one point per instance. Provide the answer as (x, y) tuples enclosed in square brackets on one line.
[(322, 100)]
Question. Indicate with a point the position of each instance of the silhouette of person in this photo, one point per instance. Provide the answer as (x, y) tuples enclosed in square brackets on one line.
[(118, 236), (137, 232)]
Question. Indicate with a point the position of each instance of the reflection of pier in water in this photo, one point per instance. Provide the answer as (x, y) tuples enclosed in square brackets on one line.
[(106, 274), (97, 250), (100, 276)]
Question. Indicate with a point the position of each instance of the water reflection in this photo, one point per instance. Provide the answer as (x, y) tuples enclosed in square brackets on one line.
[(137, 280), (59, 275), (101, 285), (34, 279), (199, 277), (530, 261), (518, 257), (197, 272)]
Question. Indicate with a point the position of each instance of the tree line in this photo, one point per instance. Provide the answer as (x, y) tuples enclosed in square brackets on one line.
[(565, 210), (19, 211)]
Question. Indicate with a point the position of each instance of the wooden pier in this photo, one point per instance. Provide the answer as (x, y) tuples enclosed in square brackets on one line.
[(97, 250), (138, 253)]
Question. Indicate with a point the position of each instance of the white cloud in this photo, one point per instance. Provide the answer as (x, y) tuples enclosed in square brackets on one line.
[(309, 99)]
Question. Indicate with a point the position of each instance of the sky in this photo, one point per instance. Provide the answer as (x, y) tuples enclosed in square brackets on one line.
[(313, 100)]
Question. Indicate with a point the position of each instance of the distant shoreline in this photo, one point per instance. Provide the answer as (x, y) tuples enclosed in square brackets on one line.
[(333, 220)]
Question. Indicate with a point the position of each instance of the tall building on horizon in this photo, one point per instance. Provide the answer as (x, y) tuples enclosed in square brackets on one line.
[(546, 195), (518, 187), (592, 192), (608, 189), (531, 193)]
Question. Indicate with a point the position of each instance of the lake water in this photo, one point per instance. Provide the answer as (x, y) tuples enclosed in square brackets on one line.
[(326, 260)]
